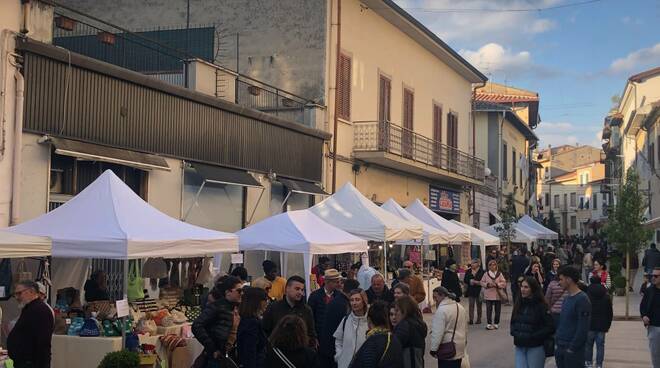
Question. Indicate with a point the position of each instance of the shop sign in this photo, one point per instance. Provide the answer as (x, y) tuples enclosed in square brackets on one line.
[(443, 200)]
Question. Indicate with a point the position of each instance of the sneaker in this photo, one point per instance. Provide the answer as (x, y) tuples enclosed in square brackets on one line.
[(489, 327), (470, 323), (588, 364), (496, 326)]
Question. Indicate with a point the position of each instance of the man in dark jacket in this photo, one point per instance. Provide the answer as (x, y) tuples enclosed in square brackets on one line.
[(574, 321), (649, 309), (651, 259), (601, 320), (29, 341), (473, 281), (320, 298), (215, 328), (335, 311), (379, 291), (292, 303), (450, 279), (519, 263)]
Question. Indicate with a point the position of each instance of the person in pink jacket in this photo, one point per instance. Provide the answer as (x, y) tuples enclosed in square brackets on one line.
[(494, 286)]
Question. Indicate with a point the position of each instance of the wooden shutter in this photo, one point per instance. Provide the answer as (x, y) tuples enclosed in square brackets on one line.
[(505, 160), (513, 166), (452, 130), (437, 123), (344, 88), (652, 156), (408, 102), (384, 99)]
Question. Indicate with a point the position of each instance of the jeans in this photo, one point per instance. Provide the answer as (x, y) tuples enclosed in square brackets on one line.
[(565, 359), (530, 357), (599, 339), (489, 311), (586, 274), (653, 333), (449, 363), (475, 300)]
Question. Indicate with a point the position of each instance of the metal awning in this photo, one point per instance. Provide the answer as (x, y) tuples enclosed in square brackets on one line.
[(224, 175), (303, 187), (120, 156)]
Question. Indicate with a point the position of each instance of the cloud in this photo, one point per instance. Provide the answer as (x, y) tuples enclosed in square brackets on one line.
[(556, 140), (465, 22), (636, 61), (634, 21), (563, 132), (561, 125), (495, 59)]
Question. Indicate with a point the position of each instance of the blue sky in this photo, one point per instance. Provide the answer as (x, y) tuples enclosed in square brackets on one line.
[(576, 57)]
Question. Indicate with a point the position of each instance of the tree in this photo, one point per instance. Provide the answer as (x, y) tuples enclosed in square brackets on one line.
[(551, 222), (506, 229), (624, 228)]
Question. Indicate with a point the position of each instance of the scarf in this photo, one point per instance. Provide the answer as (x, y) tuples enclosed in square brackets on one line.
[(377, 330)]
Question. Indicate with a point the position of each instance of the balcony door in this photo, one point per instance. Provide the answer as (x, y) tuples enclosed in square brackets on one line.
[(452, 141), (438, 156), (407, 133), (384, 118)]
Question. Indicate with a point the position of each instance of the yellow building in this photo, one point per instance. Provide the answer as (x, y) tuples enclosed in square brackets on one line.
[(403, 112)]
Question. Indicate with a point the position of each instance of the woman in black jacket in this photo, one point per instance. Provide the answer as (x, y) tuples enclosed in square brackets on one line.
[(411, 332), (251, 338), (601, 321), (289, 345), (213, 328), (531, 325), (450, 279), (381, 349), (473, 281)]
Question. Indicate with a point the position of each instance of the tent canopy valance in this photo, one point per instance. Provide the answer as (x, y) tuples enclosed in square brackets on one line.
[(21, 246), (523, 233), (479, 238), (456, 234), (108, 220), (432, 235), (352, 212)]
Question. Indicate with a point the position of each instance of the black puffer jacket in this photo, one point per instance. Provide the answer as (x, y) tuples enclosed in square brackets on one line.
[(531, 324), (450, 281), (213, 326), (601, 308), (411, 333), (473, 290), (373, 353)]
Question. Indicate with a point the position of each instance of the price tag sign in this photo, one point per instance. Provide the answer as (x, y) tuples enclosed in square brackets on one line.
[(122, 308), (237, 258)]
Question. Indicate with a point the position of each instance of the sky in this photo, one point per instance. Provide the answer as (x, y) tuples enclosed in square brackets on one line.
[(577, 57)]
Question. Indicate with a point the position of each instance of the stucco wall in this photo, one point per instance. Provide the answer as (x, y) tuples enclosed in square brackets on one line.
[(35, 173), (281, 42), (164, 189)]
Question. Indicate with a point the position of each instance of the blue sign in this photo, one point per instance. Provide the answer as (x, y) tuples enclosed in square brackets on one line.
[(443, 200)]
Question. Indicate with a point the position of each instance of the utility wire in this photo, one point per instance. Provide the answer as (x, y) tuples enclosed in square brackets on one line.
[(510, 10)]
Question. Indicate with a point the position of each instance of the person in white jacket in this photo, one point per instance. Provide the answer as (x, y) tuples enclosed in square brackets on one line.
[(352, 330), (448, 314)]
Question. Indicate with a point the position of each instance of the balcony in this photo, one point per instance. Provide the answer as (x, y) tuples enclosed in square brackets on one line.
[(393, 146)]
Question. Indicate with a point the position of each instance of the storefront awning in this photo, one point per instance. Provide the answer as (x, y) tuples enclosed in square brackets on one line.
[(224, 175), (94, 152), (303, 187), (652, 223)]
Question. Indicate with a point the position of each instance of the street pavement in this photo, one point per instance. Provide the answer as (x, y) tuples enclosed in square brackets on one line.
[(626, 345)]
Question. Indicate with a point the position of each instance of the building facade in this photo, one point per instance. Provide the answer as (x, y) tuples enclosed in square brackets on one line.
[(631, 137)]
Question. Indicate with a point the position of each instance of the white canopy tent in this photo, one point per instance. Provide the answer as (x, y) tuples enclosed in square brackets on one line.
[(480, 238), (299, 232), (544, 232), (456, 234), (21, 246), (431, 235), (352, 212), (523, 234), (108, 220)]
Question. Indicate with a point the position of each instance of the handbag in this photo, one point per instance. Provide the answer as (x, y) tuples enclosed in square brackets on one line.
[(103, 308), (90, 328), (206, 273), (154, 268), (504, 298), (147, 326), (135, 281), (447, 350), (5, 279)]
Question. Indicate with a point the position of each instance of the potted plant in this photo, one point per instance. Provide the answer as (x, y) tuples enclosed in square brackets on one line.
[(120, 359), (619, 285)]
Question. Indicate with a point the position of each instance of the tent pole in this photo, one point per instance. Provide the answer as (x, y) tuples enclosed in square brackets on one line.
[(123, 319), (385, 245), (194, 202)]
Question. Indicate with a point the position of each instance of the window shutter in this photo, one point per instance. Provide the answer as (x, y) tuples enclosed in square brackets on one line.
[(504, 162), (513, 166), (384, 99), (344, 88), (437, 123)]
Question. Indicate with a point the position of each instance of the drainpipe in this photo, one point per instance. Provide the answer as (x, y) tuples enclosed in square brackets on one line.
[(500, 164), (474, 141), (336, 119), (4, 37), (18, 145)]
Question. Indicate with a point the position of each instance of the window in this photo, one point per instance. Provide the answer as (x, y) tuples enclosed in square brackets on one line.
[(573, 200), (344, 88), (408, 110), (384, 98), (505, 162), (540, 201), (520, 158), (513, 166), (652, 156), (565, 201), (581, 202), (452, 130), (573, 222), (547, 199), (203, 205), (437, 134), (556, 199)]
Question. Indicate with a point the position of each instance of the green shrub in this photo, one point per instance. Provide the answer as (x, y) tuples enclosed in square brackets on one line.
[(120, 359), (615, 266), (619, 282)]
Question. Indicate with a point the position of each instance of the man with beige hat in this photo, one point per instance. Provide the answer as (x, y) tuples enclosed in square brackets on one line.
[(320, 298)]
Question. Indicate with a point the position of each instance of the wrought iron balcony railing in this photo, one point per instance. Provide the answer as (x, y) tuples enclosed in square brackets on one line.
[(384, 136)]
